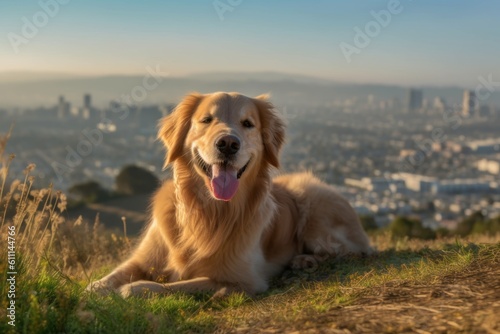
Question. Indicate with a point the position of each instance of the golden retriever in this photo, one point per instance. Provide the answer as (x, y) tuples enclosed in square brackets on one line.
[(223, 223)]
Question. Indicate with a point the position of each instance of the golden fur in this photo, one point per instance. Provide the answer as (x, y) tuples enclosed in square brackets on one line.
[(198, 243)]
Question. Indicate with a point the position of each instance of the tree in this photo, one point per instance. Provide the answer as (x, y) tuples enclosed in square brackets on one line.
[(410, 227), (89, 192), (133, 180)]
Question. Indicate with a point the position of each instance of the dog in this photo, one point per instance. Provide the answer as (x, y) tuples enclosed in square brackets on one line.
[(223, 223)]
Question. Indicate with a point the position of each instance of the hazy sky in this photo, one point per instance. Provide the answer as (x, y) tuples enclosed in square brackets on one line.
[(426, 42)]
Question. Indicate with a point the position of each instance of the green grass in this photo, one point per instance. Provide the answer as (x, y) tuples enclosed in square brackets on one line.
[(50, 302)]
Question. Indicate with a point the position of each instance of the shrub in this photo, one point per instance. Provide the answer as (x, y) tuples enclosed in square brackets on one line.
[(486, 226), (410, 227), (133, 180), (89, 192), (466, 226)]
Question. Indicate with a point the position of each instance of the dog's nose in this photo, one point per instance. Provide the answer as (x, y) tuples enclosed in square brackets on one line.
[(228, 145)]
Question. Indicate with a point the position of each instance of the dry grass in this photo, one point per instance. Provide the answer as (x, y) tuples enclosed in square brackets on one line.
[(44, 233), (424, 290)]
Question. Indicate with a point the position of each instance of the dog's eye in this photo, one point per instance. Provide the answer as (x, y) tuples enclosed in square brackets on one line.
[(206, 120), (247, 124)]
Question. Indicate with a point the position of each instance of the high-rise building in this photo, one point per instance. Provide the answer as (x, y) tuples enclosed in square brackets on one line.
[(87, 101), (468, 103), (62, 107), (439, 104), (414, 100), (87, 106)]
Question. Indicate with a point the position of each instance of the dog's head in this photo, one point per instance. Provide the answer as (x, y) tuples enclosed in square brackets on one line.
[(225, 137)]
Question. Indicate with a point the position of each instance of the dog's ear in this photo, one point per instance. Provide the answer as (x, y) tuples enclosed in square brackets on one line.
[(273, 129), (174, 127), (264, 97)]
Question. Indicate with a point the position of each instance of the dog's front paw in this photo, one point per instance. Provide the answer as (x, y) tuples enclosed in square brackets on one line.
[(101, 287), (126, 291), (143, 289)]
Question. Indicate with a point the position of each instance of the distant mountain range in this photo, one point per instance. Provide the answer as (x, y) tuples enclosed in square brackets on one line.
[(26, 76), (29, 89)]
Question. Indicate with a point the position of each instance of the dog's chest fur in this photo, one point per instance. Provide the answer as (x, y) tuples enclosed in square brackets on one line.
[(222, 236)]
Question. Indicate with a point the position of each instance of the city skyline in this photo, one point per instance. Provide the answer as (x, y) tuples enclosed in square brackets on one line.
[(417, 43)]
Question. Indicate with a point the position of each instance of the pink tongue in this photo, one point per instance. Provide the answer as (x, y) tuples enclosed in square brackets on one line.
[(224, 182)]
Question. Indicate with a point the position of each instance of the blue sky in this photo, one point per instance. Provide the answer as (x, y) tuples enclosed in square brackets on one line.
[(428, 42)]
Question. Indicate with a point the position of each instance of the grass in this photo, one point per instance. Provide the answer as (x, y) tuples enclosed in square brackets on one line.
[(441, 286), (321, 300), (421, 277), (49, 303)]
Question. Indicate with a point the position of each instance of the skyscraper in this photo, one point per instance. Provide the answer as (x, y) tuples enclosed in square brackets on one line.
[(87, 101), (468, 103), (87, 106), (439, 104), (62, 107), (414, 100)]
